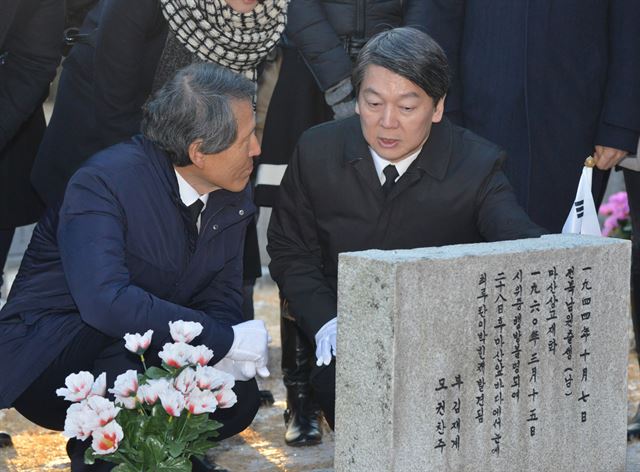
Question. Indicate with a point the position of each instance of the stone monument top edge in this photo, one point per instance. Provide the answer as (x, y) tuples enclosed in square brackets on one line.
[(546, 242)]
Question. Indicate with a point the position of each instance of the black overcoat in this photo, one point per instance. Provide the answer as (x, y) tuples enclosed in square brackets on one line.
[(30, 45), (330, 201), (547, 80)]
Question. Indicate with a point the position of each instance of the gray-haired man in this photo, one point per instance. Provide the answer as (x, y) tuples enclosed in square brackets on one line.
[(150, 231)]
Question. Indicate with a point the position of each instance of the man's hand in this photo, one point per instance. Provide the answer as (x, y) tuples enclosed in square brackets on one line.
[(607, 157), (326, 342), (249, 349)]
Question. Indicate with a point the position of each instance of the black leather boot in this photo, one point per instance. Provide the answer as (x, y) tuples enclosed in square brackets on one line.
[(302, 416)]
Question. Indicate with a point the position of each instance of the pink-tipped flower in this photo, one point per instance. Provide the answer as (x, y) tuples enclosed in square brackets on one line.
[(176, 354), (226, 398), (107, 438), (201, 401), (138, 343), (78, 387), (185, 381), (80, 421), (105, 410), (149, 392), (172, 402), (209, 378), (99, 387), (201, 355), (184, 331), (125, 389)]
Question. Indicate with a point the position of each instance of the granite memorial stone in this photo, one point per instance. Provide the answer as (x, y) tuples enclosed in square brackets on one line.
[(484, 357)]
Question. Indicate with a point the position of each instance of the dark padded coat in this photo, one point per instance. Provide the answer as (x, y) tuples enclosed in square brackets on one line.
[(317, 29), (116, 257), (331, 201)]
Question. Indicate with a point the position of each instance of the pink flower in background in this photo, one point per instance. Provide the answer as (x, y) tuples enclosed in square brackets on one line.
[(149, 392), (125, 389), (184, 331), (201, 355), (105, 410), (107, 438), (209, 378), (201, 401), (138, 343), (185, 381), (78, 387), (617, 223), (176, 354), (172, 402), (80, 421), (226, 398)]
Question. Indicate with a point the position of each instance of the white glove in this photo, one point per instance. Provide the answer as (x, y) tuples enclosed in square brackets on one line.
[(241, 370), (250, 341), (326, 342)]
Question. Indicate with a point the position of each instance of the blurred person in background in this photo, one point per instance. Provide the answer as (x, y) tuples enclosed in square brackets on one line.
[(552, 82), (30, 48)]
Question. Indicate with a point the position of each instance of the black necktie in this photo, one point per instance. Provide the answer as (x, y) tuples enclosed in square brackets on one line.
[(193, 211), (391, 174)]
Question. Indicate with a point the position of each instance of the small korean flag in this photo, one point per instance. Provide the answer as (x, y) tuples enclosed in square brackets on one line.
[(583, 218)]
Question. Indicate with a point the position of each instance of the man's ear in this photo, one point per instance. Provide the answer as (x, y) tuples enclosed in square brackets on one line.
[(357, 106), (439, 111), (196, 156)]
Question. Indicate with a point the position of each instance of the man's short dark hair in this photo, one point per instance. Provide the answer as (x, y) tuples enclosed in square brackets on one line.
[(409, 53), (195, 104)]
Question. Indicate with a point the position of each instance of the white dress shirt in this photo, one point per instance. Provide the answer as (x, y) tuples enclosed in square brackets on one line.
[(401, 166), (189, 195)]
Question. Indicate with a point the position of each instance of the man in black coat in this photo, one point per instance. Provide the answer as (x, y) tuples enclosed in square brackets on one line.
[(399, 177), (320, 45)]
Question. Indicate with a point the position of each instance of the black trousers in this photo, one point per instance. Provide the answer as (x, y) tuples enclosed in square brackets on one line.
[(323, 383), (94, 352)]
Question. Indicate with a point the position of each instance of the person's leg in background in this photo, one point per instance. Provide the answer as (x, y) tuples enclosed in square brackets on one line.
[(6, 236), (632, 184)]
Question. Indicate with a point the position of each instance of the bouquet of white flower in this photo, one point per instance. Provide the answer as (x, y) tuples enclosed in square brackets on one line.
[(160, 418)]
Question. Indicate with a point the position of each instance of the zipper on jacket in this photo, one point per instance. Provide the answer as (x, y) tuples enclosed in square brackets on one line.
[(360, 18)]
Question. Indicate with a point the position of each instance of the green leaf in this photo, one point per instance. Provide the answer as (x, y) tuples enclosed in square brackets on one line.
[(178, 464), (156, 373), (153, 451), (89, 456), (125, 468), (175, 448)]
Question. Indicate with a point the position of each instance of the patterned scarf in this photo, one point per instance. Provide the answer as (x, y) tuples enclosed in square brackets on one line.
[(215, 32)]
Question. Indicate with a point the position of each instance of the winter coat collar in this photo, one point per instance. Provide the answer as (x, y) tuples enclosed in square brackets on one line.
[(433, 159), (166, 173)]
